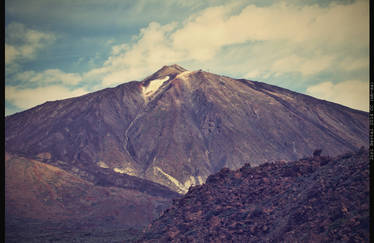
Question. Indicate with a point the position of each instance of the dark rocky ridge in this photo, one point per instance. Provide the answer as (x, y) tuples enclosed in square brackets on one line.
[(316, 199), (107, 177), (194, 124)]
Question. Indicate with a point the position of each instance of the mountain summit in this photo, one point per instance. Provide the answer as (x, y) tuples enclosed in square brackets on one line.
[(170, 71), (176, 127)]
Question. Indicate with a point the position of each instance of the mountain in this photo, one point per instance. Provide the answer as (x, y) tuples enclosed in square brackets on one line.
[(43, 200), (103, 165), (177, 127), (315, 199)]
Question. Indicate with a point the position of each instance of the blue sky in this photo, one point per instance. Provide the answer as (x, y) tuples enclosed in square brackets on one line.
[(59, 49)]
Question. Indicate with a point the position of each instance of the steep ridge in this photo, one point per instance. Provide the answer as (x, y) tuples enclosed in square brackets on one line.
[(315, 199), (88, 129), (176, 127), (43, 200), (204, 122)]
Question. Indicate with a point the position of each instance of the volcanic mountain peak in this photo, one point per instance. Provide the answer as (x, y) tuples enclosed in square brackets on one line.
[(171, 71), (189, 124), (151, 86), (177, 67)]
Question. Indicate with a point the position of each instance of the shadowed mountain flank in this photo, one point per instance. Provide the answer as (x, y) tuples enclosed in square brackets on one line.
[(42, 200)]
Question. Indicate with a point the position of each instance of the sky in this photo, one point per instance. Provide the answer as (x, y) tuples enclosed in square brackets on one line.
[(60, 49)]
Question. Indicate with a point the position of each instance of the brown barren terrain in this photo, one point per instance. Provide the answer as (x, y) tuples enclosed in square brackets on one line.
[(316, 199)]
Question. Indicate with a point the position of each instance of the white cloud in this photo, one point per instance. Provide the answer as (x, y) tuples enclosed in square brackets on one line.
[(215, 28), (52, 84), (132, 62), (10, 53), (55, 75), (351, 93), (306, 66), (24, 76), (23, 43), (152, 41), (351, 64), (204, 35), (117, 49), (27, 98), (49, 76), (252, 74), (95, 73), (277, 39)]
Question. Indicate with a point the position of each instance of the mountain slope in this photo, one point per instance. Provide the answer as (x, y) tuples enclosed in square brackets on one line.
[(317, 199), (176, 127), (42, 199)]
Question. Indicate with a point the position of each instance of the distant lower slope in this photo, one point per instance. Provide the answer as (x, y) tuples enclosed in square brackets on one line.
[(317, 199), (42, 199)]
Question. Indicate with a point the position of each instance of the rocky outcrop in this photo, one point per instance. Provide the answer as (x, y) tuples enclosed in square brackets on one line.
[(317, 199)]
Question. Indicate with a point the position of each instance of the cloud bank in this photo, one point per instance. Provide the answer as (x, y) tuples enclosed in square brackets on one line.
[(26, 42), (279, 39), (351, 93), (28, 98), (291, 45)]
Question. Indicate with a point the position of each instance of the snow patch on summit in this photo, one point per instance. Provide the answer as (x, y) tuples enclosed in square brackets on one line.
[(153, 86), (184, 75)]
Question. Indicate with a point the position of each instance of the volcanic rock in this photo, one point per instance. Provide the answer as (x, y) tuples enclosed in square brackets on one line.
[(300, 201)]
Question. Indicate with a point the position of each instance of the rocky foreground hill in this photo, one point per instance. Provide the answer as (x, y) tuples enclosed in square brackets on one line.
[(316, 199)]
